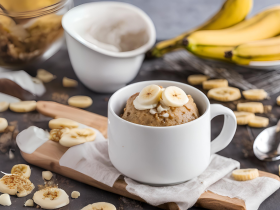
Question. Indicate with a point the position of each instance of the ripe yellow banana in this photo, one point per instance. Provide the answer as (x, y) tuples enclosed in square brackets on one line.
[(213, 52), (263, 50), (231, 13), (264, 27)]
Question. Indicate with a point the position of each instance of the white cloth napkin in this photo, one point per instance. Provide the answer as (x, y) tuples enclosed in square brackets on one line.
[(92, 159), (253, 192), (185, 194)]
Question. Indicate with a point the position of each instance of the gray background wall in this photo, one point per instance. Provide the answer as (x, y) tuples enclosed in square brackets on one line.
[(171, 17)]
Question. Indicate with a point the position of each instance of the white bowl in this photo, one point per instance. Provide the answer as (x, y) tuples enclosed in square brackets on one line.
[(102, 70)]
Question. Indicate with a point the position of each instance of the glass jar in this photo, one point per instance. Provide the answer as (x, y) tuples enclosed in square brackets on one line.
[(30, 31)]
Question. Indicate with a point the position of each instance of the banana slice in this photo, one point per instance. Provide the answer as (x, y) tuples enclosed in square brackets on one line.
[(197, 79), (245, 174), (47, 175), (259, 122), (254, 107), (62, 123), (243, 118), (3, 124), (55, 134), (4, 106), (16, 185), (149, 95), (67, 82), (174, 97), (80, 101), (23, 106), (278, 100), (45, 76), (51, 198), (255, 94), (29, 202), (21, 170), (5, 200), (75, 194), (77, 136), (214, 83), (100, 205), (224, 94)]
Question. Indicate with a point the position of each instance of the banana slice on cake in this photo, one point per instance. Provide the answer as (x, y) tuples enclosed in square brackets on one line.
[(255, 94), (3, 124), (259, 122), (23, 106), (224, 94), (214, 83), (80, 101), (174, 97), (4, 106), (245, 174), (77, 136), (197, 79), (150, 95), (51, 198), (243, 118), (100, 205), (16, 185), (21, 170), (254, 107), (62, 123)]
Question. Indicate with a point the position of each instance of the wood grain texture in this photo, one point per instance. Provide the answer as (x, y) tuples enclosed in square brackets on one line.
[(48, 155), (56, 110)]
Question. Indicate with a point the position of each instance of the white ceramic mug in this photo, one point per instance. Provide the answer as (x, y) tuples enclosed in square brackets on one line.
[(165, 155), (102, 70)]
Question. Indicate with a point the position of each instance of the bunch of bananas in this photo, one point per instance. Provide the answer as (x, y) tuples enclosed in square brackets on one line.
[(227, 36)]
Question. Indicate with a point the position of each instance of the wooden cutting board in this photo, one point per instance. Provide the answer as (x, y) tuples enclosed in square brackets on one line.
[(48, 155)]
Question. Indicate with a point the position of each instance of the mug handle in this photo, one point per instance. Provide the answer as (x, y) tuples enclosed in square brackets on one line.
[(228, 129)]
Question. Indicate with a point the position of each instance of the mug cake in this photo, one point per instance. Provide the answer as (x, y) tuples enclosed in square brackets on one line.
[(158, 106)]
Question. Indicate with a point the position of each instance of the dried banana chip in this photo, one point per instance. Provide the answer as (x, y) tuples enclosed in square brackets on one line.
[(80, 101), (16, 185), (224, 94), (255, 94), (23, 106), (21, 170), (245, 174), (254, 107), (243, 118), (62, 123), (197, 79), (214, 83), (4, 106), (259, 122), (77, 136), (3, 124), (67, 82), (45, 76)]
